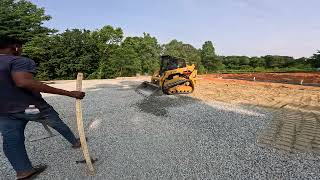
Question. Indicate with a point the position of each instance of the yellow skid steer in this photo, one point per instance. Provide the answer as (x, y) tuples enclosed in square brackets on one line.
[(174, 77)]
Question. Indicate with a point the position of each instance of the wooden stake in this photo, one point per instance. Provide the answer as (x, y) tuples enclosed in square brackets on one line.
[(301, 82), (83, 141)]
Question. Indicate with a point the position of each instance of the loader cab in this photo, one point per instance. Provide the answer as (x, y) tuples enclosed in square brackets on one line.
[(170, 63)]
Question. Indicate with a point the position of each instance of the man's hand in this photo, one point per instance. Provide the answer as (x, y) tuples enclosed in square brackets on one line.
[(77, 94)]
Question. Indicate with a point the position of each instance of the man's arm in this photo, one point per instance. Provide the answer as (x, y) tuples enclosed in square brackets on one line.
[(25, 80)]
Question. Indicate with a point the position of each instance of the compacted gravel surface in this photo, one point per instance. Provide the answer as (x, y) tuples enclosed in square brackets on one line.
[(165, 137)]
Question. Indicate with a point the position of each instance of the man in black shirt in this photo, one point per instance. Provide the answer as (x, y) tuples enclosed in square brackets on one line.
[(18, 90)]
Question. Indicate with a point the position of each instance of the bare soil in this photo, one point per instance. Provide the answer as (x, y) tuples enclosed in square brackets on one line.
[(293, 78), (296, 122)]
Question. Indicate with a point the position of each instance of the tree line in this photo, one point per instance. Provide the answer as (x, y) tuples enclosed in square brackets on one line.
[(107, 53)]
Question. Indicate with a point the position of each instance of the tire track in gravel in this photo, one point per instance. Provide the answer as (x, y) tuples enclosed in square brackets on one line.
[(295, 125), (296, 110), (293, 130)]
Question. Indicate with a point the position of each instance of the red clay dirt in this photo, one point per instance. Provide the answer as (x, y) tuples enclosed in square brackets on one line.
[(292, 78)]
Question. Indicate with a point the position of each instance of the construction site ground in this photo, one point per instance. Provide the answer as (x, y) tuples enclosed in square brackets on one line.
[(296, 123), (312, 78), (226, 129)]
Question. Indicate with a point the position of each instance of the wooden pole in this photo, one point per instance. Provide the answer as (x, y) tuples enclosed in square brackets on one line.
[(83, 141)]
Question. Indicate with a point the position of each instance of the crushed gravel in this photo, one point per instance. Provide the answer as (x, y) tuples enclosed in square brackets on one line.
[(166, 137)]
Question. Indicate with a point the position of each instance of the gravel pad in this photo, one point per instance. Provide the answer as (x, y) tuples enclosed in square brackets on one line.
[(166, 137)]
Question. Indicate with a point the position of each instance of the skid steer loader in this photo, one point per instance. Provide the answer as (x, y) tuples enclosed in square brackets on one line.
[(174, 77)]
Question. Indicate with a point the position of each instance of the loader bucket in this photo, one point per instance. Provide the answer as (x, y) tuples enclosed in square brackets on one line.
[(148, 89)]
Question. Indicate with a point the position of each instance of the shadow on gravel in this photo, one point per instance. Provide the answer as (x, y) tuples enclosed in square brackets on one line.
[(157, 105)]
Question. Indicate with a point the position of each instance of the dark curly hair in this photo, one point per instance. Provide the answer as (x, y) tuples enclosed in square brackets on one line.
[(7, 41)]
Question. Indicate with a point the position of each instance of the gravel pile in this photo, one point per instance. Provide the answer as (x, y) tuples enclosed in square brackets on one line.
[(166, 137)]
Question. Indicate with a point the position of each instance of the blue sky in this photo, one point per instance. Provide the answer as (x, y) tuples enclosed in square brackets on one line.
[(236, 27)]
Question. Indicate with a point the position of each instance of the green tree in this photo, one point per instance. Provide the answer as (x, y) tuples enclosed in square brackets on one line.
[(244, 60), (315, 60), (207, 49), (104, 53), (231, 62), (257, 62), (123, 62), (214, 63), (208, 56), (22, 19), (278, 61), (186, 51), (108, 40), (147, 50), (135, 55), (63, 55)]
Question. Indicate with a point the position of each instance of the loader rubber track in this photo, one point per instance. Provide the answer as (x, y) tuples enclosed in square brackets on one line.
[(167, 87)]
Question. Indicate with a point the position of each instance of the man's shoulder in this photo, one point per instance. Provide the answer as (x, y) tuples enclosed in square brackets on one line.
[(23, 64), (15, 58), (22, 58)]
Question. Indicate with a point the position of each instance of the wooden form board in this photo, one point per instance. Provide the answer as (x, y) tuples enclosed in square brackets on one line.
[(83, 141)]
